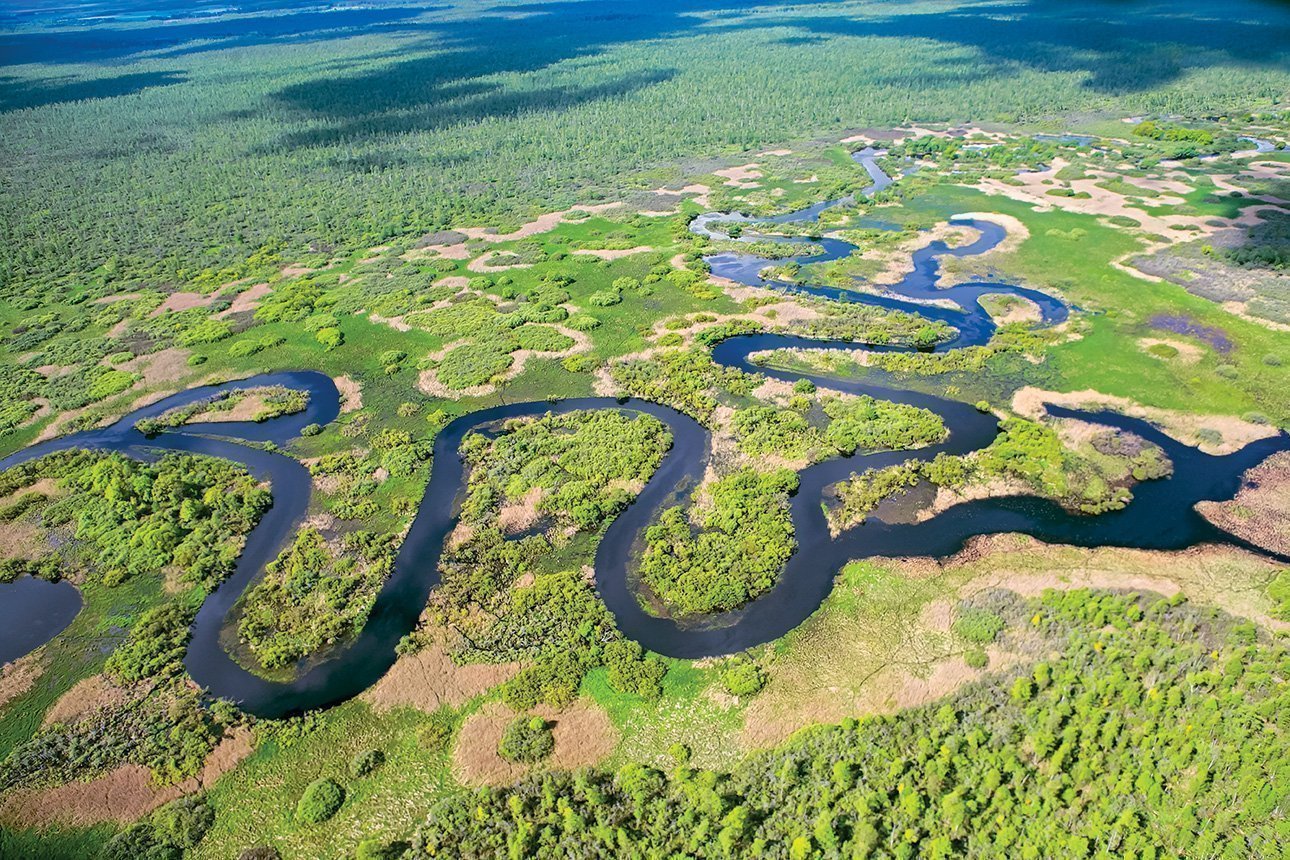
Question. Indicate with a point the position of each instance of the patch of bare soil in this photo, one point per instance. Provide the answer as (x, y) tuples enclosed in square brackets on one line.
[(1188, 353), (17, 677), (429, 679), (247, 300), (123, 795), (584, 736), (741, 176), (351, 394), (88, 696), (1237, 433), (1260, 512), (182, 302), (541, 224)]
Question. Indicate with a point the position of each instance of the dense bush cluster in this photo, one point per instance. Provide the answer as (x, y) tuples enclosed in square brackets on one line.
[(131, 518), (1131, 742), (526, 740), (744, 537), (313, 595)]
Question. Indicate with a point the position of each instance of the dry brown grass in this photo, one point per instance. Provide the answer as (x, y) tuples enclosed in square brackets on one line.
[(429, 679), (1260, 513), (122, 795), (584, 736), (86, 697)]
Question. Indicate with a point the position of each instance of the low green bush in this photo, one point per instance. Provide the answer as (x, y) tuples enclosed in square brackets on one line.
[(321, 800)]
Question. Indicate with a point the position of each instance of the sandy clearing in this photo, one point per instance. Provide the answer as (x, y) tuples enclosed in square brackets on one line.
[(247, 300), (808, 180), (741, 176), (1188, 353), (1019, 309), (297, 271), (428, 380), (1029, 402), (21, 540), (428, 680), (614, 254), (95, 693), (583, 733), (485, 262), (351, 394), (122, 795), (541, 224), (459, 251), (777, 152), (122, 297), (182, 302), (1241, 309)]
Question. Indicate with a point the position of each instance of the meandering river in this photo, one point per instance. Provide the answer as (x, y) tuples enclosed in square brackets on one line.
[(1161, 516)]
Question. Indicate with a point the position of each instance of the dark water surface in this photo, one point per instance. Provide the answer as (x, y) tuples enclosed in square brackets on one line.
[(1161, 515)]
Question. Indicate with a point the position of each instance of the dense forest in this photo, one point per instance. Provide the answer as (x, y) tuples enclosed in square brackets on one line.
[(221, 147)]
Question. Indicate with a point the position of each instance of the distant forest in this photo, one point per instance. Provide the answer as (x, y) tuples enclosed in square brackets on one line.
[(187, 149)]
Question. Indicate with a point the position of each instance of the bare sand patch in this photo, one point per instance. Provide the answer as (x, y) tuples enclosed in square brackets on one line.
[(741, 176), (1237, 433), (19, 676), (493, 261), (1016, 309), (1188, 353), (122, 795), (297, 271), (1241, 309), (247, 300), (351, 394), (1260, 512), (541, 224), (182, 302), (778, 152), (584, 736), (458, 251), (428, 680), (87, 696), (613, 254)]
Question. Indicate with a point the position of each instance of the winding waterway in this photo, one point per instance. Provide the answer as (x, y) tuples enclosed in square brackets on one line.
[(1161, 516)]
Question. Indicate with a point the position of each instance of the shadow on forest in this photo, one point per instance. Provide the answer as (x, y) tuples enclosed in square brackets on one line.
[(1123, 47), (18, 93)]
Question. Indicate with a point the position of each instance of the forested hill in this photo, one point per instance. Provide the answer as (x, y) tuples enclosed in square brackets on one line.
[(176, 146), (1158, 732)]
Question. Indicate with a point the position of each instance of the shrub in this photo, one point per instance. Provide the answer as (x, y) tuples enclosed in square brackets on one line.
[(139, 842), (375, 849), (976, 658), (330, 337), (630, 671), (582, 322), (436, 733), (472, 364), (978, 625), (183, 822), (527, 740), (321, 800), (366, 763), (743, 678)]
